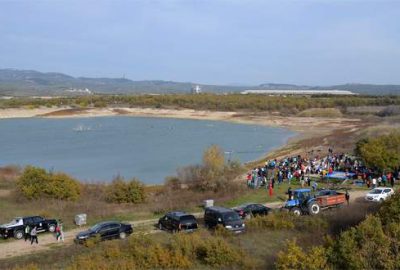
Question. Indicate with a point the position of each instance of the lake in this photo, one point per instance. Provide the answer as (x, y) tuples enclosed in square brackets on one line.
[(100, 148)]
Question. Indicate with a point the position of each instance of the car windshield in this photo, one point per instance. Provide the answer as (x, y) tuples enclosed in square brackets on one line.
[(188, 218), (15, 221), (95, 228), (231, 216), (301, 195), (375, 191), (242, 206)]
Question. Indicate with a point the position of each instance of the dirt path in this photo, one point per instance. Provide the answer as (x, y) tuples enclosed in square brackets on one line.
[(47, 241)]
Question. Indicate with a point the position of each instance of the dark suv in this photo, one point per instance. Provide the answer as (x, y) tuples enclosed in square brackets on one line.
[(178, 221), (226, 217), (16, 228)]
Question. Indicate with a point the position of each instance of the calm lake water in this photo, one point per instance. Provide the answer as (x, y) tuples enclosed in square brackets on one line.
[(98, 149)]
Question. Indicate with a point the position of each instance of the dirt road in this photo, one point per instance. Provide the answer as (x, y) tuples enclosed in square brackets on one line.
[(13, 248)]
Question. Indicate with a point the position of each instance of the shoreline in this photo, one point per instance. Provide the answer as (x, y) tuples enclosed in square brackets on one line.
[(295, 123)]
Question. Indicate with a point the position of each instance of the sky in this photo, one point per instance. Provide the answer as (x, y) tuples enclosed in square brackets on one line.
[(314, 42)]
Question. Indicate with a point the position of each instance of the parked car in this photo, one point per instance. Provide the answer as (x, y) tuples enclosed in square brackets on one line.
[(379, 194), (16, 228), (178, 221), (105, 231), (248, 210), (228, 218)]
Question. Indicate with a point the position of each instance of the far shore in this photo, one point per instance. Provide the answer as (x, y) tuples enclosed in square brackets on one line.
[(298, 124)]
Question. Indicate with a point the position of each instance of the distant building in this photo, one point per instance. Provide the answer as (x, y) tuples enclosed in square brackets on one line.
[(196, 89), (299, 92), (79, 91)]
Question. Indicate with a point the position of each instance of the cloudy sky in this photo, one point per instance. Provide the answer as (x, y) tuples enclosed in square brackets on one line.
[(319, 42)]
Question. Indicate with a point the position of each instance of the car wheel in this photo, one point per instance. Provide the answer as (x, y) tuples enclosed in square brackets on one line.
[(52, 228), (295, 211), (19, 234), (122, 235)]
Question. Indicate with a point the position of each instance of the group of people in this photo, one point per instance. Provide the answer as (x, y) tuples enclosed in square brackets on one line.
[(286, 169), (31, 233), (300, 168)]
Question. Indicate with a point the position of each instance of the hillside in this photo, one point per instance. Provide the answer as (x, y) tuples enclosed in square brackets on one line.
[(29, 82)]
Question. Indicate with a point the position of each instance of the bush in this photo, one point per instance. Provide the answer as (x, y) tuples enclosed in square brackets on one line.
[(321, 112), (216, 252), (212, 175), (275, 221), (295, 258), (382, 152), (389, 111), (36, 183), (120, 191)]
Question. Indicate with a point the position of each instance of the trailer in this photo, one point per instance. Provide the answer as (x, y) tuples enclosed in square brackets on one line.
[(305, 203)]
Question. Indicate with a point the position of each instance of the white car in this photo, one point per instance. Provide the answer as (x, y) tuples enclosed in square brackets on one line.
[(379, 194)]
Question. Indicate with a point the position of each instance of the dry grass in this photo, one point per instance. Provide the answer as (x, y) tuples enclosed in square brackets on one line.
[(321, 112)]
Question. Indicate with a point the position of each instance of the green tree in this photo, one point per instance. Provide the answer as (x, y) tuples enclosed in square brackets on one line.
[(32, 181), (35, 183), (213, 158), (382, 152)]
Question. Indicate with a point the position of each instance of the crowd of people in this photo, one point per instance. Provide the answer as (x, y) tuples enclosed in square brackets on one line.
[(301, 169), (31, 233)]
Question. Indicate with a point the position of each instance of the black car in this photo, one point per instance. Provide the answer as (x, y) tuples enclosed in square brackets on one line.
[(105, 230), (178, 221), (16, 228), (228, 218), (248, 210)]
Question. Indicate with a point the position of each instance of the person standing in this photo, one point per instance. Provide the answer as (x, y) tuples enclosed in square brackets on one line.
[(271, 189), (290, 193), (57, 231), (34, 236), (347, 197), (314, 185), (60, 234), (27, 232)]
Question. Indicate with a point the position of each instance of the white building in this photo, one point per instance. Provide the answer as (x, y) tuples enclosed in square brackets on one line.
[(196, 89)]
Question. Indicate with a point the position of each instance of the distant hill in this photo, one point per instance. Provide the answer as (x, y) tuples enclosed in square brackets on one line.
[(29, 82)]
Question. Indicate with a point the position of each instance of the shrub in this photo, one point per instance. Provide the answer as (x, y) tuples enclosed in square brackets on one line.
[(389, 111), (213, 158), (295, 258), (120, 191), (212, 175), (382, 152), (35, 183), (275, 221), (321, 112), (216, 252), (390, 210)]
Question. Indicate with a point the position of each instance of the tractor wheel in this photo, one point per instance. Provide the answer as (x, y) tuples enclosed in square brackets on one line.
[(314, 209), (295, 211)]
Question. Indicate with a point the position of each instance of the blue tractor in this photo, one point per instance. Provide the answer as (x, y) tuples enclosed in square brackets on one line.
[(302, 202)]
